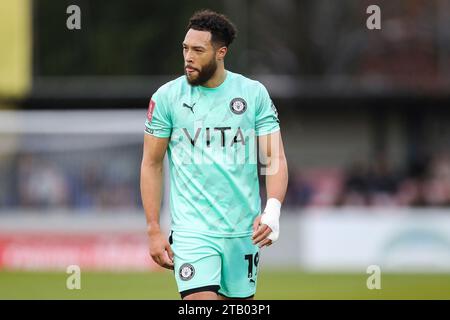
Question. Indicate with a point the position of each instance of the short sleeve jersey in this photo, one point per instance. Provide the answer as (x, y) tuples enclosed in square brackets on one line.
[(212, 151)]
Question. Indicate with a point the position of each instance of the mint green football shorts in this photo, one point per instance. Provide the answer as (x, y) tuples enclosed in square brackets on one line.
[(227, 266)]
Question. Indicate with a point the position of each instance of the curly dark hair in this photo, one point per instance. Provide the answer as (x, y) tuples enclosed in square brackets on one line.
[(223, 31)]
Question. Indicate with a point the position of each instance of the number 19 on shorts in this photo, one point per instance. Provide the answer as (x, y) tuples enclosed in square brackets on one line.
[(252, 261)]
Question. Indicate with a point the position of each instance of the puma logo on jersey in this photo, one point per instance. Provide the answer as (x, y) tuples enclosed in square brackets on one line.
[(188, 106)]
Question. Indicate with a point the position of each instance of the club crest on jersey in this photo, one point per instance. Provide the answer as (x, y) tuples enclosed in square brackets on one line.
[(151, 107), (238, 105), (186, 271)]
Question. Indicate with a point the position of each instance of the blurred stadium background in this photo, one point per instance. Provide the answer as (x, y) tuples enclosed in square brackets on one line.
[(365, 118)]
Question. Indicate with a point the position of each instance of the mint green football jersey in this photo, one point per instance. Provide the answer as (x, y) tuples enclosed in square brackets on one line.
[(212, 151)]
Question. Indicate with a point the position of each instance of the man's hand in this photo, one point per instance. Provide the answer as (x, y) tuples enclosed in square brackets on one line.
[(160, 249), (266, 227), (260, 233)]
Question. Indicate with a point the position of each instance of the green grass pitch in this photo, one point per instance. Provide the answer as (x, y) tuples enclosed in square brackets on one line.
[(272, 285)]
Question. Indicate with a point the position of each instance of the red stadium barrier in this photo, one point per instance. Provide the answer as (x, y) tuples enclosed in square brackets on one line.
[(56, 251)]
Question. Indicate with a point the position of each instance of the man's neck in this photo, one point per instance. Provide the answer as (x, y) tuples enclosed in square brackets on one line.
[(217, 79)]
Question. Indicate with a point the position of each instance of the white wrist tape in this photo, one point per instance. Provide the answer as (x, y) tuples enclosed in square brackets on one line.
[(271, 217)]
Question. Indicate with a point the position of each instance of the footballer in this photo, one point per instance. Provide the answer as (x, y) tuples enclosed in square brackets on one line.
[(210, 121)]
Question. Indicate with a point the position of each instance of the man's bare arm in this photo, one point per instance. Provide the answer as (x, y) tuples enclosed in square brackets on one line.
[(151, 193), (272, 154), (272, 150)]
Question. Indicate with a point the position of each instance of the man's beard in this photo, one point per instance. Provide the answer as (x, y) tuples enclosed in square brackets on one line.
[(203, 75)]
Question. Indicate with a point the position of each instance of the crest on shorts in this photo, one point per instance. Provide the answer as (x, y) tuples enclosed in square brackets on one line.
[(238, 105), (186, 271)]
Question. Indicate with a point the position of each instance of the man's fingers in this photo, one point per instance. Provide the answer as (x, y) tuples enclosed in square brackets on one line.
[(169, 251), (263, 235), (161, 251), (260, 231), (168, 258), (156, 258), (265, 242), (163, 260), (167, 264), (256, 223)]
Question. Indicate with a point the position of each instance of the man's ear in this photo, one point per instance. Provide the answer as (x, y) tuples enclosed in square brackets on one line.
[(221, 52)]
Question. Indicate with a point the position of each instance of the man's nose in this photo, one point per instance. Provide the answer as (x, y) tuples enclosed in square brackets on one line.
[(188, 57)]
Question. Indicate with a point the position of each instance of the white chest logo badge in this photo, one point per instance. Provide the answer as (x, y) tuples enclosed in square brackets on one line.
[(238, 105)]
